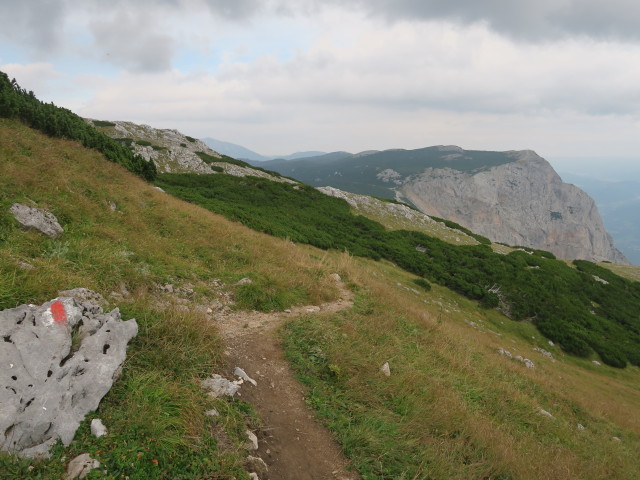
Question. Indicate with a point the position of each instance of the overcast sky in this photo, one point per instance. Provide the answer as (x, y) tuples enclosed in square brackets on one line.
[(561, 77)]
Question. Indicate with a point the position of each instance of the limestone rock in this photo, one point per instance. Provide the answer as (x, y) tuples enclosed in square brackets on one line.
[(219, 386), (386, 369), (37, 219), (80, 466), (57, 361), (97, 428), (256, 465), (253, 440), (82, 295), (173, 152), (238, 372), (523, 202)]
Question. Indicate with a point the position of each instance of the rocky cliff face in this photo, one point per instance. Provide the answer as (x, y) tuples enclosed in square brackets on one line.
[(523, 202)]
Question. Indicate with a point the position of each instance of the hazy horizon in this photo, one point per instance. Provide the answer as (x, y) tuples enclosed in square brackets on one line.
[(557, 78)]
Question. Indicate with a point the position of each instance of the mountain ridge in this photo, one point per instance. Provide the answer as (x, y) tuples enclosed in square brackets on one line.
[(477, 189), (242, 153)]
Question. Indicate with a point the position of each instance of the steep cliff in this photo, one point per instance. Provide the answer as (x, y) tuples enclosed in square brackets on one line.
[(523, 202)]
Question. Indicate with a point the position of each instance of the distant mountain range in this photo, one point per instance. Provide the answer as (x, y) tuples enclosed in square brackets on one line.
[(513, 197), (618, 201), (242, 153)]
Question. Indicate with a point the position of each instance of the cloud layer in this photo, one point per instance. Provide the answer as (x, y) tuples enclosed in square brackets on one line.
[(280, 75)]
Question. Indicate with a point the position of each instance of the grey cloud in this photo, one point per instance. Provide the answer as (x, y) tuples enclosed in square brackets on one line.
[(37, 25), (235, 9), (132, 43), (521, 19)]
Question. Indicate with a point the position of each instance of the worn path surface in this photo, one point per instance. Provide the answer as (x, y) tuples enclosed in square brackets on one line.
[(294, 445)]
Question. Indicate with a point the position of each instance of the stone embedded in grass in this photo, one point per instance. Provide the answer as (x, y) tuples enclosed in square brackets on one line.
[(97, 428), (244, 281), (218, 386), (335, 277), (37, 219), (545, 413), (543, 352), (386, 369), (257, 466), (59, 359), (80, 466), (253, 440)]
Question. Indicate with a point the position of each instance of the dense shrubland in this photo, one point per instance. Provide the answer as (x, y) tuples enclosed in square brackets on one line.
[(584, 309)]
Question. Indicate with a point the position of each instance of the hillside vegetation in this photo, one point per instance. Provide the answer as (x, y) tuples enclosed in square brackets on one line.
[(584, 309), (452, 408), (16, 102), (125, 239)]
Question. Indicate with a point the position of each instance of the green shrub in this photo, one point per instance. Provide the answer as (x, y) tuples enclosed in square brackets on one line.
[(421, 282), (102, 123)]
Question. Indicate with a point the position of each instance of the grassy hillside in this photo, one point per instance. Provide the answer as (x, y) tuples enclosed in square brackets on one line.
[(584, 309), (15, 102), (452, 408), (123, 239)]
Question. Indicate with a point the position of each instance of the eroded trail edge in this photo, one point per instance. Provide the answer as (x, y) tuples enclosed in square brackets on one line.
[(293, 444)]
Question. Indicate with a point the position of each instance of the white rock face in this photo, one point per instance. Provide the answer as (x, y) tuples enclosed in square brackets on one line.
[(524, 202)]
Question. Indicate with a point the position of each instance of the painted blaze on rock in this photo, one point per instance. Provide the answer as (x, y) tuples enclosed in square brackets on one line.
[(46, 387), (58, 312)]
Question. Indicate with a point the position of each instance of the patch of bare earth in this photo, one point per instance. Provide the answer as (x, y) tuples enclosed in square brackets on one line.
[(293, 443)]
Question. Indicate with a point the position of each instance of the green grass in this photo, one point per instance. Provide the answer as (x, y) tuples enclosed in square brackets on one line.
[(155, 410), (567, 304), (453, 407)]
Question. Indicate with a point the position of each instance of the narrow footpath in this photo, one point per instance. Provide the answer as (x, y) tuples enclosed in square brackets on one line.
[(294, 445)]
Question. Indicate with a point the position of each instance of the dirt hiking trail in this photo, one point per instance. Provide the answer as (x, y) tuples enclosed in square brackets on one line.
[(293, 444)]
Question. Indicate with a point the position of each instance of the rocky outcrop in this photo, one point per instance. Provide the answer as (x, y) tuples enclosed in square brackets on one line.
[(170, 150), (523, 202), (174, 152), (399, 216), (31, 218), (57, 362)]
